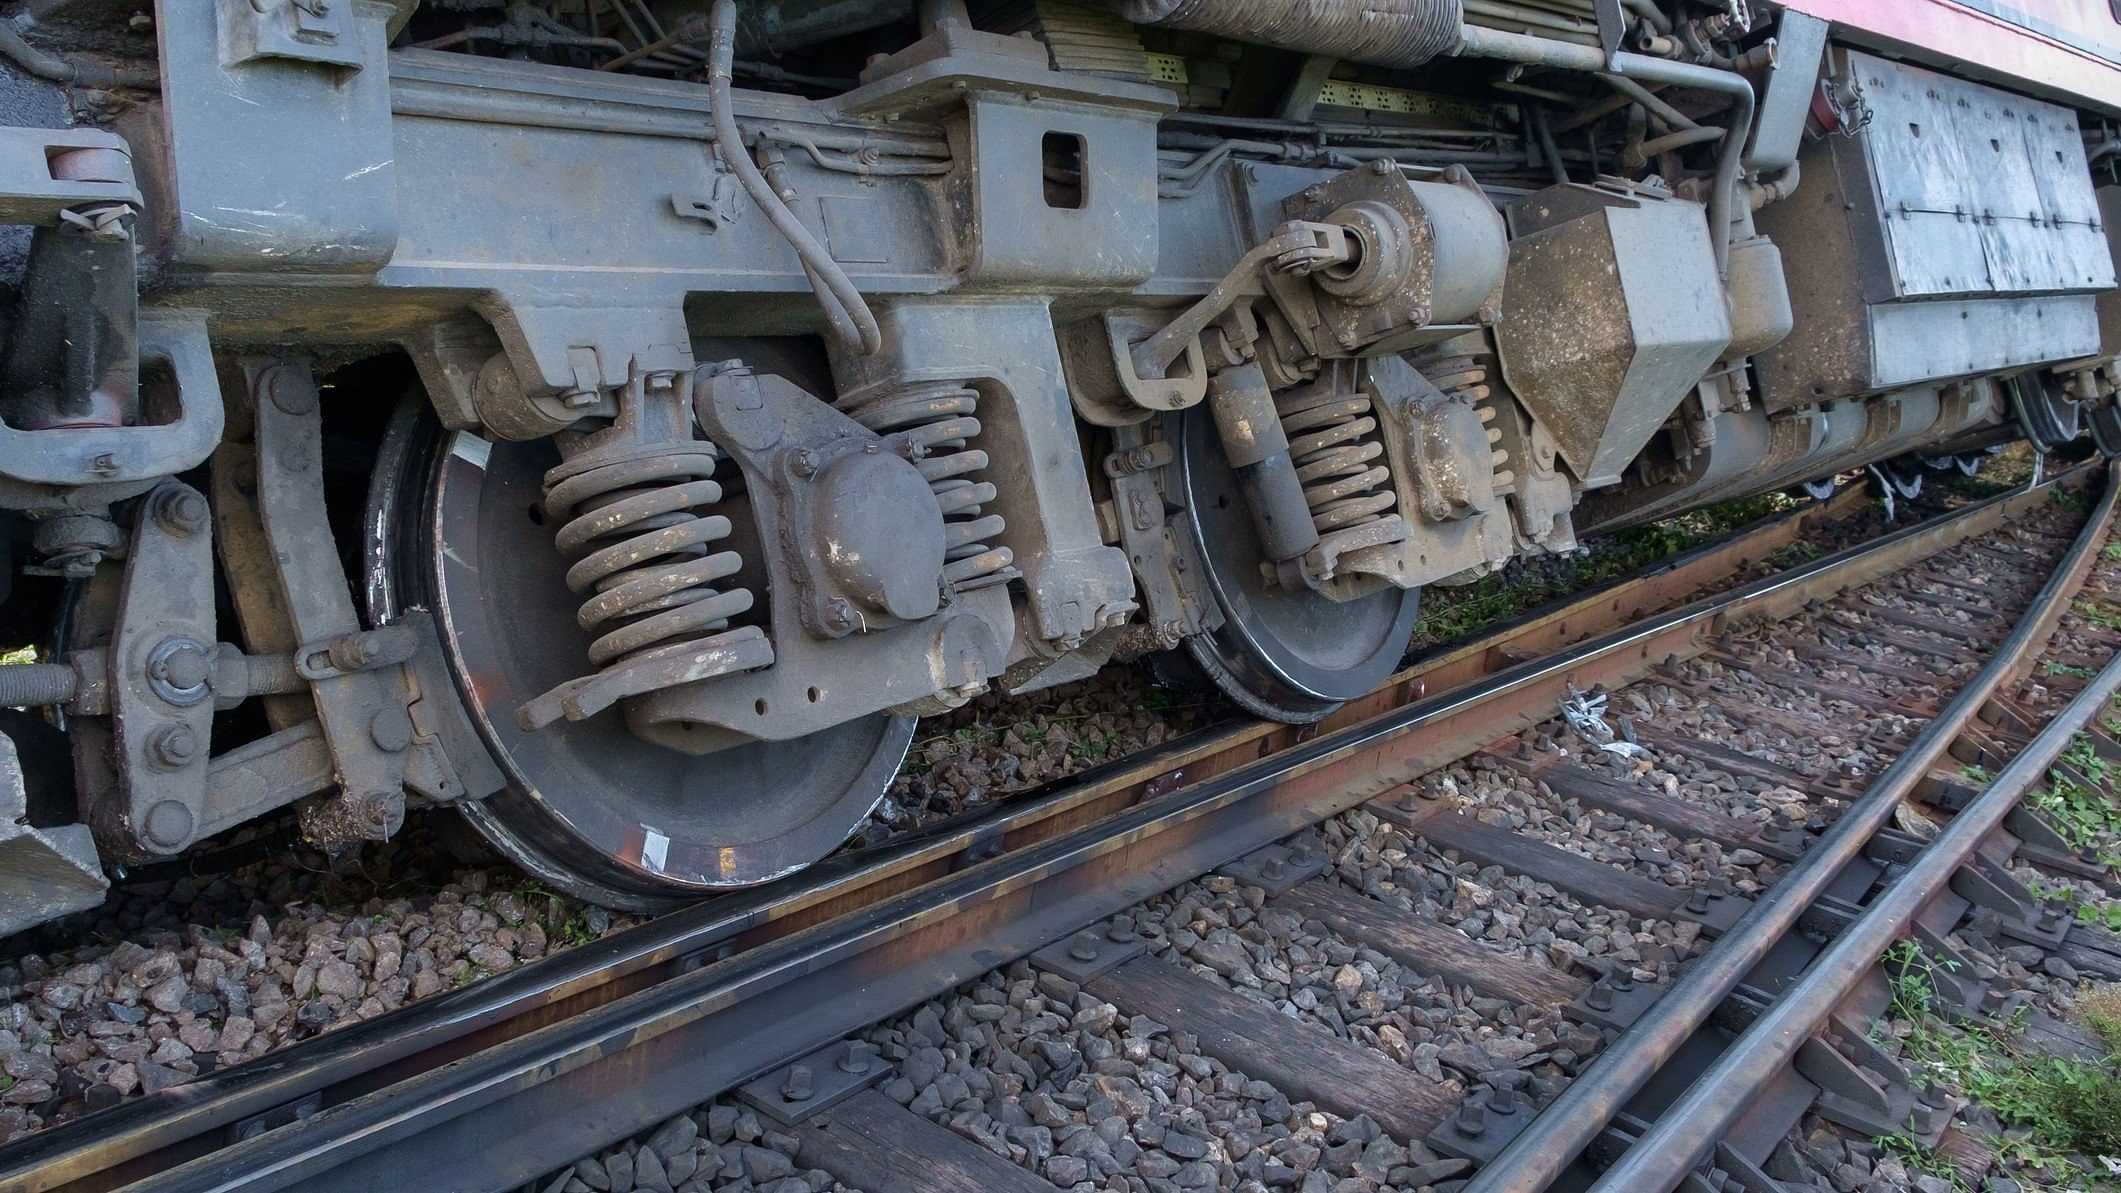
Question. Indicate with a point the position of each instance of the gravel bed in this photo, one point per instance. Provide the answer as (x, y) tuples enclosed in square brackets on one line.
[(1497, 794), (1048, 1077), (185, 975), (1220, 930), (721, 1147), (997, 745), (1390, 864)]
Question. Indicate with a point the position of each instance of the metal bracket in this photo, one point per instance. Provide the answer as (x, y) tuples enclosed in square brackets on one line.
[(1954, 993), (318, 31), (1614, 1002), (1486, 1122), (41, 177), (1612, 30), (362, 713), (161, 651), (2040, 841), (717, 207), (1983, 883), (1715, 909), (44, 872), (1277, 868), (816, 1082), (1088, 954), (1869, 1091)]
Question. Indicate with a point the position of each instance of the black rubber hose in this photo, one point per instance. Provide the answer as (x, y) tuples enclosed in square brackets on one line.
[(72, 74), (852, 320)]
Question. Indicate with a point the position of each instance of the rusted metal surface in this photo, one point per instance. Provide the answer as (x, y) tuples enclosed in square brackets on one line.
[(638, 1026), (1583, 1110), (1679, 1138)]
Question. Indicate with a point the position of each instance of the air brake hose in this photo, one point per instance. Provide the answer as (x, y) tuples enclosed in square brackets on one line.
[(853, 323)]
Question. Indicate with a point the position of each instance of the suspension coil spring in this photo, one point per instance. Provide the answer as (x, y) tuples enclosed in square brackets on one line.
[(1334, 442), (646, 569), (937, 417)]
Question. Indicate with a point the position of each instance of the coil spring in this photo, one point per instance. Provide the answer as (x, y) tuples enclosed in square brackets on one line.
[(1334, 443), (938, 418), (649, 573)]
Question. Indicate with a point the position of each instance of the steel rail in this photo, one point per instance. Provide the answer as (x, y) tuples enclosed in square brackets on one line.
[(1588, 1105), (1687, 1130), (147, 1134), (529, 1104), (153, 1134)]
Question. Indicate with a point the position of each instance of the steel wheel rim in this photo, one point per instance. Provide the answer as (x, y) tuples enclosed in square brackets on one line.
[(589, 809)]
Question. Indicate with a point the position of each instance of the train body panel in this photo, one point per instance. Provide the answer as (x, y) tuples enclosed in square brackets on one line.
[(2066, 50), (734, 383)]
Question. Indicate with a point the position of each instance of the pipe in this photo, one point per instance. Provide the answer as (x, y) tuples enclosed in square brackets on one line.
[(1574, 1119), (1672, 117), (1486, 43), (1680, 140), (853, 323), (1381, 32), (58, 70), (1686, 1131)]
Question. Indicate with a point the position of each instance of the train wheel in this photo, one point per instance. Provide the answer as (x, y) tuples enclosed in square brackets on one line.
[(453, 527), (1287, 656)]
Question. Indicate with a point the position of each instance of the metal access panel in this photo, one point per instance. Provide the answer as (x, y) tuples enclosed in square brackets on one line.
[(1612, 311), (1954, 233), (1979, 191)]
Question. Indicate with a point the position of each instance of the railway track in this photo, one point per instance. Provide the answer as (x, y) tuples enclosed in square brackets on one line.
[(502, 1084)]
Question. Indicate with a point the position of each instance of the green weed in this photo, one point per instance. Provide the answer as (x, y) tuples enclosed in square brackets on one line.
[(2063, 1106)]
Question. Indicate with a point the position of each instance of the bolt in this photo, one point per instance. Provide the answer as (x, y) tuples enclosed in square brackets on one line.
[(1502, 1100), (1472, 1119), (1121, 932), (854, 1058), (1381, 166), (383, 811), (180, 511), (184, 668), (1303, 853), (1274, 869), (1600, 996), (352, 652), (1409, 799), (803, 462), (1083, 947), (1346, 337), (1697, 901), (799, 1086), (290, 391), (579, 399), (172, 747), (839, 616), (168, 824), (390, 728)]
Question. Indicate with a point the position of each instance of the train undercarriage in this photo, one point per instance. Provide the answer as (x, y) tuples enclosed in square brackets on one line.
[(621, 419)]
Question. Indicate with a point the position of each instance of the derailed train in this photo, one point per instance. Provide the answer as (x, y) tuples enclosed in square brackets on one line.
[(491, 403)]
